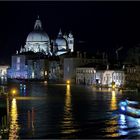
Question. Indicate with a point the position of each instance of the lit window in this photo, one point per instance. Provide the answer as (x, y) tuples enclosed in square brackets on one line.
[(18, 59), (33, 75), (42, 73), (18, 67), (45, 73)]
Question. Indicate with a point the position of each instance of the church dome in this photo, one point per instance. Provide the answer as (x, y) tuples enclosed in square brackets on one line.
[(60, 41), (37, 35)]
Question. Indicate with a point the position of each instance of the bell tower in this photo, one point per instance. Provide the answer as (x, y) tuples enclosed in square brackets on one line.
[(71, 42)]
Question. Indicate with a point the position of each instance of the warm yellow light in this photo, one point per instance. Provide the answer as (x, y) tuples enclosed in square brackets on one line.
[(113, 101), (113, 86), (14, 127), (68, 82), (13, 91)]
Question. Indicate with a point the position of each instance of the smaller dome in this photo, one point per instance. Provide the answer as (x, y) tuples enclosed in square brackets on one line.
[(60, 42)]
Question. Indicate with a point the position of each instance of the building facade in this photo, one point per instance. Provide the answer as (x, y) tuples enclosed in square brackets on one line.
[(18, 67), (37, 69), (3, 71), (95, 76), (113, 76), (85, 76)]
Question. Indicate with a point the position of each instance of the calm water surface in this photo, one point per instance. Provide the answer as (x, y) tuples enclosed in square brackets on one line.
[(69, 111)]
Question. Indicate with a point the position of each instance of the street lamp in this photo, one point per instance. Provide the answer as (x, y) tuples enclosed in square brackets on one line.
[(13, 92), (68, 81)]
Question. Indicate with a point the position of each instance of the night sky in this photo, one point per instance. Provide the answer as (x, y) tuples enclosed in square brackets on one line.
[(102, 26)]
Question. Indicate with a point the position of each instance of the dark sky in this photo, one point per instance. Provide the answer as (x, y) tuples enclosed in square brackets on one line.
[(101, 25)]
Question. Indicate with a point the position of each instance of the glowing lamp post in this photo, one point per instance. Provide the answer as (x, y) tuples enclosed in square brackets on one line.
[(68, 81), (13, 92)]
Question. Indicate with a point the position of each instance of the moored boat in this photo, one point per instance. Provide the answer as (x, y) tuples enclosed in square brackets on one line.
[(131, 108)]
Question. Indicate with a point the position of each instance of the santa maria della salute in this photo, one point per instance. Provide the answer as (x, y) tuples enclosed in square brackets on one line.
[(41, 57), (39, 41)]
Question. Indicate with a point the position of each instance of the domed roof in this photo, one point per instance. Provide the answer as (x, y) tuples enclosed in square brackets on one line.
[(60, 41), (37, 35)]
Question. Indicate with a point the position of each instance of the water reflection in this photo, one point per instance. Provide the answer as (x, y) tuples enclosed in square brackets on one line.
[(68, 124), (14, 127), (112, 124), (113, 105), (111, 129), (122, 125), (128, 125)]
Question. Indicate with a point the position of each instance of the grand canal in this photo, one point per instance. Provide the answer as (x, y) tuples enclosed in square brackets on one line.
[(44, 110)]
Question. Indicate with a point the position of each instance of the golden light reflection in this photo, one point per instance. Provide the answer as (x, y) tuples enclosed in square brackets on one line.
[(112, 124), (68, 101), (67, 123), (113, 105), (112, 128), (14, 127)]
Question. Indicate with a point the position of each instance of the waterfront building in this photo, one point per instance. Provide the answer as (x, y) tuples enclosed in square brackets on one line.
[(73, 62), (37, 69), (54, 69), (34, 60), (18, 67), (132, 76), (85, 75), (113, 76), (3, 71), (99, 75)]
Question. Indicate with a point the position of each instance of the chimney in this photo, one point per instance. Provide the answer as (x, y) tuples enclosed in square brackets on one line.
[(107, 67), (84, 54), (78, 54), (123, 67)]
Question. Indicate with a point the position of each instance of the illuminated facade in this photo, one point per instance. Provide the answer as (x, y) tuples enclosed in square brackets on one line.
[(39, 41), (18, 67), (71, 63), (116, 76), (34, 66), (3, 71), (85, 76), (93, 75)]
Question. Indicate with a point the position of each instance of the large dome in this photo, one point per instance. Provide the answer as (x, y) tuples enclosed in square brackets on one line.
[(37, 36)]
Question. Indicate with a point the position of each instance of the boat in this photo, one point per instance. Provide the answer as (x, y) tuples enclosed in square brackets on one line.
[(130, 108)]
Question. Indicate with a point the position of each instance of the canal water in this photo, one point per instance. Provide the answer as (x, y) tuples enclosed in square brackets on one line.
[(69, 111)]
